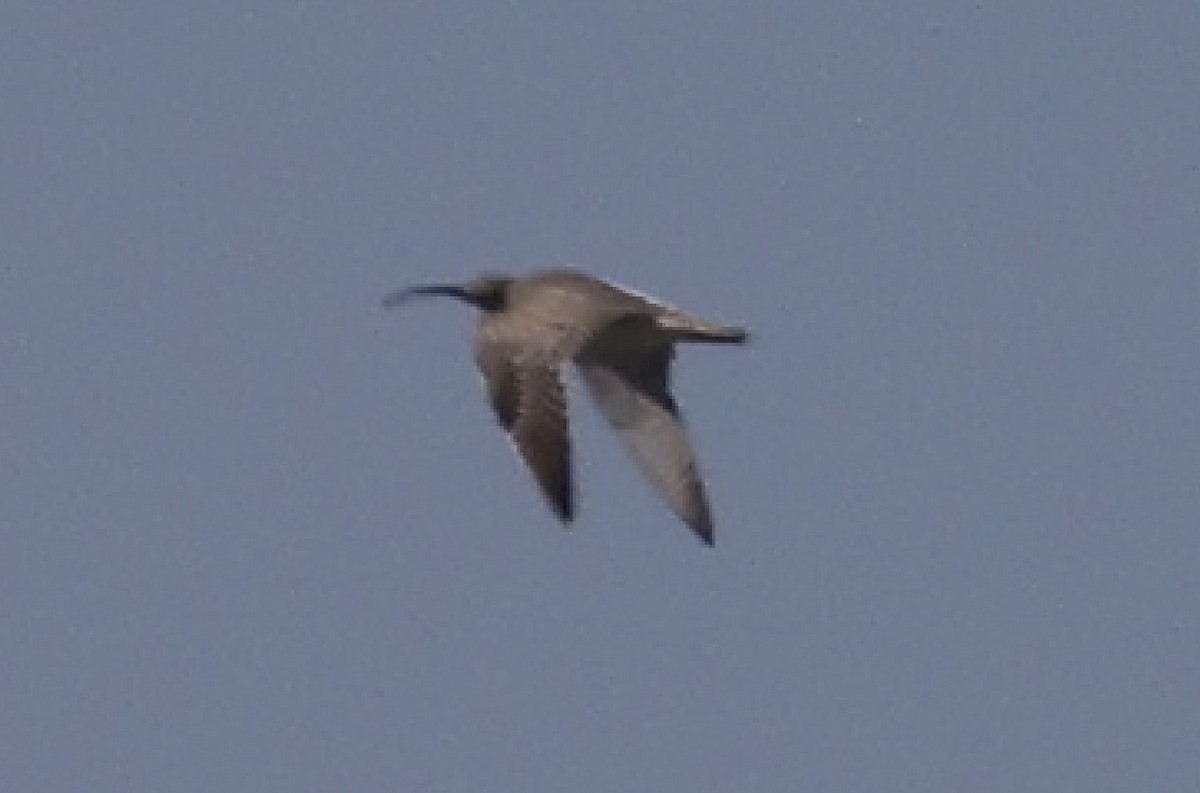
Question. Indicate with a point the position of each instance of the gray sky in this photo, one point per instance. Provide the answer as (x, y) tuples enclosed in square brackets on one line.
[(260, 534)]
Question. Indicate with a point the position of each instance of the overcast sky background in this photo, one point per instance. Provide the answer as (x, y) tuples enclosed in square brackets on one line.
[(260, 534)]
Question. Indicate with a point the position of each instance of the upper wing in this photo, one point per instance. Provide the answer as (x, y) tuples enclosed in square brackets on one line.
[(527, 395)]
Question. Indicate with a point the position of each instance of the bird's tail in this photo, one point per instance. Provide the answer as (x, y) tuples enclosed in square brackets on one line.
[(718, 336), (688, 328)]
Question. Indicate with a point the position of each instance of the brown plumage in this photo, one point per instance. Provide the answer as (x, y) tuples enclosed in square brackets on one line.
[(622, 342)]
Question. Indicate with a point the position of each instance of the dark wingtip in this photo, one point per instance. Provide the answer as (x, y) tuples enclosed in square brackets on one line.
[(563, 505), (560, 495), (702, 526)]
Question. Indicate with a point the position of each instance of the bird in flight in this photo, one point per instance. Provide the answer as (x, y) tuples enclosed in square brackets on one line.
[(621, 342)]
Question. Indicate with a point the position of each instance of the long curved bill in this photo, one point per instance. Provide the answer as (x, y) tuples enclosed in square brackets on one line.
[(401, 296)]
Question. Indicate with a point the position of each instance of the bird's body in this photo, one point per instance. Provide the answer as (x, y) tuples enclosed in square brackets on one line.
[(622, 344)]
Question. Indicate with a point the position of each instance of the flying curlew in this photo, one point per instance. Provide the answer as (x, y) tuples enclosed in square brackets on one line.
[(621, 342)]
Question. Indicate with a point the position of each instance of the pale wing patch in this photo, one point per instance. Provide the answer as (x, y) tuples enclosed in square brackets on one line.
[(632, 394)]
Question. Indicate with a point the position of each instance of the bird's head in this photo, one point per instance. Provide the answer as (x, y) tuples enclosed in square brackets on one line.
[(488, 292)]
